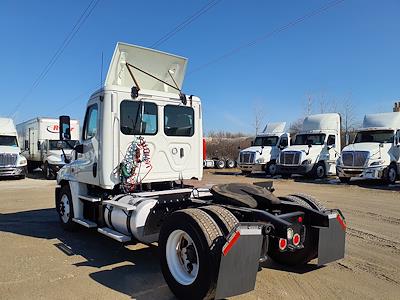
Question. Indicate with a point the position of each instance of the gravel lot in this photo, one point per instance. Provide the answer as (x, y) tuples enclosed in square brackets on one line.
[(35, 262)]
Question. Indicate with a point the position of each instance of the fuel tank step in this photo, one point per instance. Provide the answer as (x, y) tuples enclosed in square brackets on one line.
[(84, 222), (114, 234)]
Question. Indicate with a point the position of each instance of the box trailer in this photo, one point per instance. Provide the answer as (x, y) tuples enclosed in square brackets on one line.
[(12, 163), (264, 150), (315, 149), (40, 144), (375, 151), (142, 137)]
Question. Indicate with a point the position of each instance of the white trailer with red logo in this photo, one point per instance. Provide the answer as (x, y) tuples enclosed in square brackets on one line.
[(40, 144)]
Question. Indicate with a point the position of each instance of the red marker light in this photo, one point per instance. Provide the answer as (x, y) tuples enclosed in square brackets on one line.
[(300, 219), (296, 239), (282, 244)]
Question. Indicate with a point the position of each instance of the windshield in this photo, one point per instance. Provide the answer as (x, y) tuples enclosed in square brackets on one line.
[(266, 141), (309, 139), (65, 144), (8, 140), (376, 136)]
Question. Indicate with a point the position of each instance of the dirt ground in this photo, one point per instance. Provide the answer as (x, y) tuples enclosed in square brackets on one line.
[(39, 260)]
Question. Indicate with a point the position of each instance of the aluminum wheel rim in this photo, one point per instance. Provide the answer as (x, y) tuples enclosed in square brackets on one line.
[(181, 263), (320, 171), (64, 208), (392, 175), (272, 169)]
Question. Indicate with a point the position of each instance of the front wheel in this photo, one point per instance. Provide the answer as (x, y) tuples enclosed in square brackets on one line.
[(271, 169), (190, 245), (65, 209), (391, 175), (319, 171)]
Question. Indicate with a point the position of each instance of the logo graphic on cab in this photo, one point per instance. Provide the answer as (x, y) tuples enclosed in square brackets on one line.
[(55, 128)]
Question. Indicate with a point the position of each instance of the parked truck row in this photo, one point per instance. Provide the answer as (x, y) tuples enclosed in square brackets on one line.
[(316, 150)]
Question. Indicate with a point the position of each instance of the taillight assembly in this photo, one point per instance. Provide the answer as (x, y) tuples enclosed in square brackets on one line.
[(282, 244)]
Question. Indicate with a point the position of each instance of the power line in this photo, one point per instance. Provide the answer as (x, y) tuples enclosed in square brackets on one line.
[(185, 23), (77, 26), (163, 39), (269, 34)]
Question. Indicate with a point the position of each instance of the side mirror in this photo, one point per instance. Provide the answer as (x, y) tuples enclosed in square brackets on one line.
[(65, 128), (309, 145), (252, 143), (239, 148), (79, 148), (262, 147), (381, 145)]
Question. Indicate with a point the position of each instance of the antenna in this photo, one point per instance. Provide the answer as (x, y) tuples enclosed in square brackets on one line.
[(101, 70)]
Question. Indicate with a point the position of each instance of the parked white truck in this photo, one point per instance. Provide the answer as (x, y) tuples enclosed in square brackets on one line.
[(375, 152), (12, 163), (40, 144), (315, 149), (264, 150), (141, 138)]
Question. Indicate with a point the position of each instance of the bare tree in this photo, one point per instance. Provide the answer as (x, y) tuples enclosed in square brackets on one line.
[(258, 118), (349, 122), (296, 126)]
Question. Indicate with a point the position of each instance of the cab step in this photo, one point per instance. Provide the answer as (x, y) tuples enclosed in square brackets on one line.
[(84, 222), (89, 198), (115, 235)]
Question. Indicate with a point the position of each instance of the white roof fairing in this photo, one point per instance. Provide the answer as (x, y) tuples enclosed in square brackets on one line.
[(159, 64), (382, 120), (7, 127), (277, 127), (330, 121)]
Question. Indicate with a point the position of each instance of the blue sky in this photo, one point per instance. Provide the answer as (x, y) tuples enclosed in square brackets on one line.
[(351, 51)]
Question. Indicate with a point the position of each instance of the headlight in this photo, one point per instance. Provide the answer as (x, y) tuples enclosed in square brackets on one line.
[(22, 161), (306, 162), (377, 163)]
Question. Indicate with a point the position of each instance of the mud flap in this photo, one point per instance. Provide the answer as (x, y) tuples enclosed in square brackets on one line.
[(331, 243), (240, 260)]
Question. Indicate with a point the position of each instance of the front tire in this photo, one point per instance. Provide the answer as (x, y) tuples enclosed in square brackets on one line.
[(65, 209), (391, 175), (320, 171), (271, 169), (190, 243), (220, 164)]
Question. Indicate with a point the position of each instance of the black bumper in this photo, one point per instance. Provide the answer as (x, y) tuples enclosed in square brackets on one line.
[(300, 169)]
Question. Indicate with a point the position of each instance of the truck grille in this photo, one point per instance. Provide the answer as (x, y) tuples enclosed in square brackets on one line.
[(8, 160), (290, 158), (354, 158), (247, 157)]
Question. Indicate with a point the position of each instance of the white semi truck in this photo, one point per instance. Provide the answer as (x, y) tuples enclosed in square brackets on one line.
[(141, 138), (12, 163), (375, 152), (40, 144), (315, 149), (264, 150)]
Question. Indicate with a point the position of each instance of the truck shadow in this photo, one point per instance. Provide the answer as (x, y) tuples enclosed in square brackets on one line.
[(270, 264), (135, 273), (362, 183)]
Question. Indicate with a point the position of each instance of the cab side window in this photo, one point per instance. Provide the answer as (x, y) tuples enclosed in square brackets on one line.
[(331, 140), (284, 142), (90, 125)]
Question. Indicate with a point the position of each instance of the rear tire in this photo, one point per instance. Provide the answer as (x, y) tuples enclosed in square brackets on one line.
[(230, 163), (220, 164), (205, 242), (223, 217)]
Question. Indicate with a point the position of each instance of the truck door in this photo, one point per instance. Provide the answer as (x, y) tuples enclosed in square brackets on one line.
[(86, 167), (181, 137)]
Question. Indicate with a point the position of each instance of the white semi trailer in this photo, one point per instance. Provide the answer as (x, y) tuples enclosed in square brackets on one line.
[(141, 138), (264, 150), (375, 152), (12, 163), (40, 144), (315, 149)]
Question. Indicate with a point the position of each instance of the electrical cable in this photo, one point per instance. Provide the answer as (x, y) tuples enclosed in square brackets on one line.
[(77, 26), (269, 34)]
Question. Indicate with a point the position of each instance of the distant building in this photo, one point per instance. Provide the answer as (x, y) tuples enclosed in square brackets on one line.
[(396, 107)]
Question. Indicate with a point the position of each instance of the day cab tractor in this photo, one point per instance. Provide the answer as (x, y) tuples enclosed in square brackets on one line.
[(141, 139)]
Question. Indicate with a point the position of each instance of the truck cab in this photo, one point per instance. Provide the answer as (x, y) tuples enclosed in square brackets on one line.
[(314, 150), (264, 150), (375, 152), (12, 163)]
